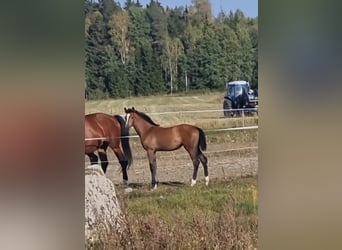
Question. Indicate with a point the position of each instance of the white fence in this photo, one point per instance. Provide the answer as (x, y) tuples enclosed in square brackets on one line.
[(243, 127)]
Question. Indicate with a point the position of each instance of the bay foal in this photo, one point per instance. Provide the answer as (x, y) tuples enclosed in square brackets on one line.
[(155, 138)]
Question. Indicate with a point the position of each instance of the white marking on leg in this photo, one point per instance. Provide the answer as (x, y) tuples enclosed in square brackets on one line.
[(193, 182), (155, 186), (206, 180)]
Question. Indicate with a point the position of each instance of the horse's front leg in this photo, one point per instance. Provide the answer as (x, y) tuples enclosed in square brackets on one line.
[(151, 154)]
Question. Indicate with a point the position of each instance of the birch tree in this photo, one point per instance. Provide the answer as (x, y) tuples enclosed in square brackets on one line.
[(173, 49), (118, 31)]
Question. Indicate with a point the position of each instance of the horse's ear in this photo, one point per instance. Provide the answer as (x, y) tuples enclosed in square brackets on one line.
[(133, 108), (125, 109)]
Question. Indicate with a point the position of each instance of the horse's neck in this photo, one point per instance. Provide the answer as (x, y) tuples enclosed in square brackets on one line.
[(142, 126)]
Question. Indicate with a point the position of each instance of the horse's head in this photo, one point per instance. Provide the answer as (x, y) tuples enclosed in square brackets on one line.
[(129, 118), (135, 116)]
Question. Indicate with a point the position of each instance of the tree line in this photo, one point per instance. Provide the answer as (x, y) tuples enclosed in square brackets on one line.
[(135, 50)]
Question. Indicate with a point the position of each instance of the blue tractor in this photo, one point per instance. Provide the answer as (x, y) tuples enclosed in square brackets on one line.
[(240, 99)]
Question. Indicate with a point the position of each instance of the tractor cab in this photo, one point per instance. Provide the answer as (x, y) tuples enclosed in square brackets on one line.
[(239, 96)]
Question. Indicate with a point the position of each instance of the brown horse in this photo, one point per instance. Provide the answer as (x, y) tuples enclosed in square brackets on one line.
[(101, 131), (154, 138)]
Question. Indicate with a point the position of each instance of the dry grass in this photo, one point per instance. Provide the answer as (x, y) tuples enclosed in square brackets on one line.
[(223, 216), (158, 104)]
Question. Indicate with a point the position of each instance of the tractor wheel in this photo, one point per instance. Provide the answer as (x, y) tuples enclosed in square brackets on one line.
[(227, 104)]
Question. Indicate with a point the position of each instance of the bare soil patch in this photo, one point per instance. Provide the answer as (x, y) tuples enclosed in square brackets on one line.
[(225, 160)]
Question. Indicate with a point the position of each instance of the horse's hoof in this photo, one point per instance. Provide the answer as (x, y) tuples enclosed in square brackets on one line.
[(193, 182), (125, 182), (206, 180)]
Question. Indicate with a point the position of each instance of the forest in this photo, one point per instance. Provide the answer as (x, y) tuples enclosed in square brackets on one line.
[(136, 50)]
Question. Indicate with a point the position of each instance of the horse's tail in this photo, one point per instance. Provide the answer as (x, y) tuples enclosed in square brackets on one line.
[(125, 140), (202, 142)]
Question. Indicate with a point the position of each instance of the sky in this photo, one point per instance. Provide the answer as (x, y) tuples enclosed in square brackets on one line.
[(248, 7)]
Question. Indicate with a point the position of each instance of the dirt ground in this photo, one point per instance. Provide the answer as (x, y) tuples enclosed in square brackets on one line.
[(224, 160)]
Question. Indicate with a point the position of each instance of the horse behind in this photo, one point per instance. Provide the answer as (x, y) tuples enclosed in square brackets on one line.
[(103, 130), (155, 138)]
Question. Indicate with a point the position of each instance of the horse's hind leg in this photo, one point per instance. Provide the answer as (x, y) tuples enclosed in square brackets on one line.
[(204, 161), (194, 174), (123, 162), (195, 162), (93, 158), (103, 156), (196, 159)]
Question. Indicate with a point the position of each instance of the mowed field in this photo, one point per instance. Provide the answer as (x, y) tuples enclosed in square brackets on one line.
[(230, 153)]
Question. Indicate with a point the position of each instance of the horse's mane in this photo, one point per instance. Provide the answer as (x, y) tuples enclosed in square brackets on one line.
[(143, 115)]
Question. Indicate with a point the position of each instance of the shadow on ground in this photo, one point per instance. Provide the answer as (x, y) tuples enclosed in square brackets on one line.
[(164, 183)]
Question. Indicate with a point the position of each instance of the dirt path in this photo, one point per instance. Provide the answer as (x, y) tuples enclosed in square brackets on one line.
[(224, 160)]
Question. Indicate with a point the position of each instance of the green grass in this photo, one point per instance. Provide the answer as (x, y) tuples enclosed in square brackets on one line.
[(220, 193), (220, 216)]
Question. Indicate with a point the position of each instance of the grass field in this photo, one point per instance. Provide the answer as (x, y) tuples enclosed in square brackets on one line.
[(159, 104), (221, 216), (176, 216)]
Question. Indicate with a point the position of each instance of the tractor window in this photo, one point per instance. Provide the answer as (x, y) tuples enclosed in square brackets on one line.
[(231, 90), (245, 87), (238, 90)]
